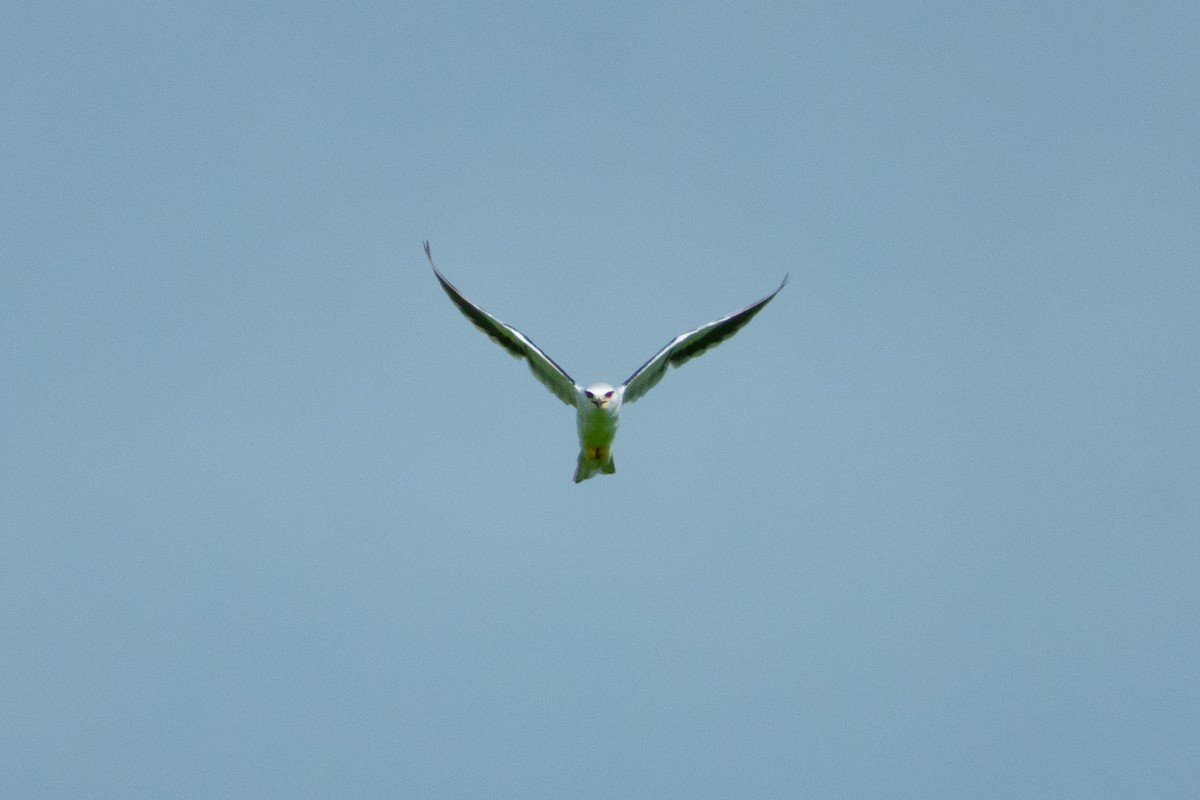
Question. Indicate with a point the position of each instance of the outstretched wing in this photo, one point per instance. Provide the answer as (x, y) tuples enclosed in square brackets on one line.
[(688, 345), (543, 367)]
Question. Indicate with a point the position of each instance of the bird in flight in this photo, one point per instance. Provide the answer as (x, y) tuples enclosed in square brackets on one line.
[(598, 407)]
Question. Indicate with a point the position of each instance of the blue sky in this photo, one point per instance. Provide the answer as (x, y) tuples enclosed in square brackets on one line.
[(275, 521)]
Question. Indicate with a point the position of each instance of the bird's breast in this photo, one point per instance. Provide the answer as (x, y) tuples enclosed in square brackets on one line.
[(597, 426)]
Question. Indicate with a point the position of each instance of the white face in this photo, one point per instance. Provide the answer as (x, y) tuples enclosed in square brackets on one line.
[(600, 394)]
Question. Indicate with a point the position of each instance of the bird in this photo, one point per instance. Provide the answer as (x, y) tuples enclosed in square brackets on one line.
[(598, 406)]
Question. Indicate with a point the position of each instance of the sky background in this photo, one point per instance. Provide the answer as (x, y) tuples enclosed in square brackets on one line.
[(276, 521)]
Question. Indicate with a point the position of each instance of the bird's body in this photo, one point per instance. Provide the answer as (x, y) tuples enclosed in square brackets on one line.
[(598, 407), (597, 418)]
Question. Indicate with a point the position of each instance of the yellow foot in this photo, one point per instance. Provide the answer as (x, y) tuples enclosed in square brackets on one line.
[(597, 453)]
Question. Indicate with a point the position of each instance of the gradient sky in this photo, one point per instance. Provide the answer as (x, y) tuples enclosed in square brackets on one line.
[(275, 521)]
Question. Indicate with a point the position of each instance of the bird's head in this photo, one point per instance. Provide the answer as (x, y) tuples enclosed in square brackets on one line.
[(601, 395)]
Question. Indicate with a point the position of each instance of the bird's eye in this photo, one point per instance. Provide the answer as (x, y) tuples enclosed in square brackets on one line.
[(588, 393), (608, 394)]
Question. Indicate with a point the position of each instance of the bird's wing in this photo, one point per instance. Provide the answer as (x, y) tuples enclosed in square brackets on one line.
[(688, 345), (543, 367)]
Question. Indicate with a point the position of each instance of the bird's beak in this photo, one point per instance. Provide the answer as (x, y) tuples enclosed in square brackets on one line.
[(600, 402)]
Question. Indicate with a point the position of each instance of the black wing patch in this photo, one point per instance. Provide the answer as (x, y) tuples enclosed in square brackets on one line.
[(688, 345), (550, 374)]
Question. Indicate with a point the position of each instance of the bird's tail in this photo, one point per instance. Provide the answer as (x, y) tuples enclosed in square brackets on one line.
[(589, 467)]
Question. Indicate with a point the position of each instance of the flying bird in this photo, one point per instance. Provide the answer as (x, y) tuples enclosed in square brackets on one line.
[(598, 407)]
